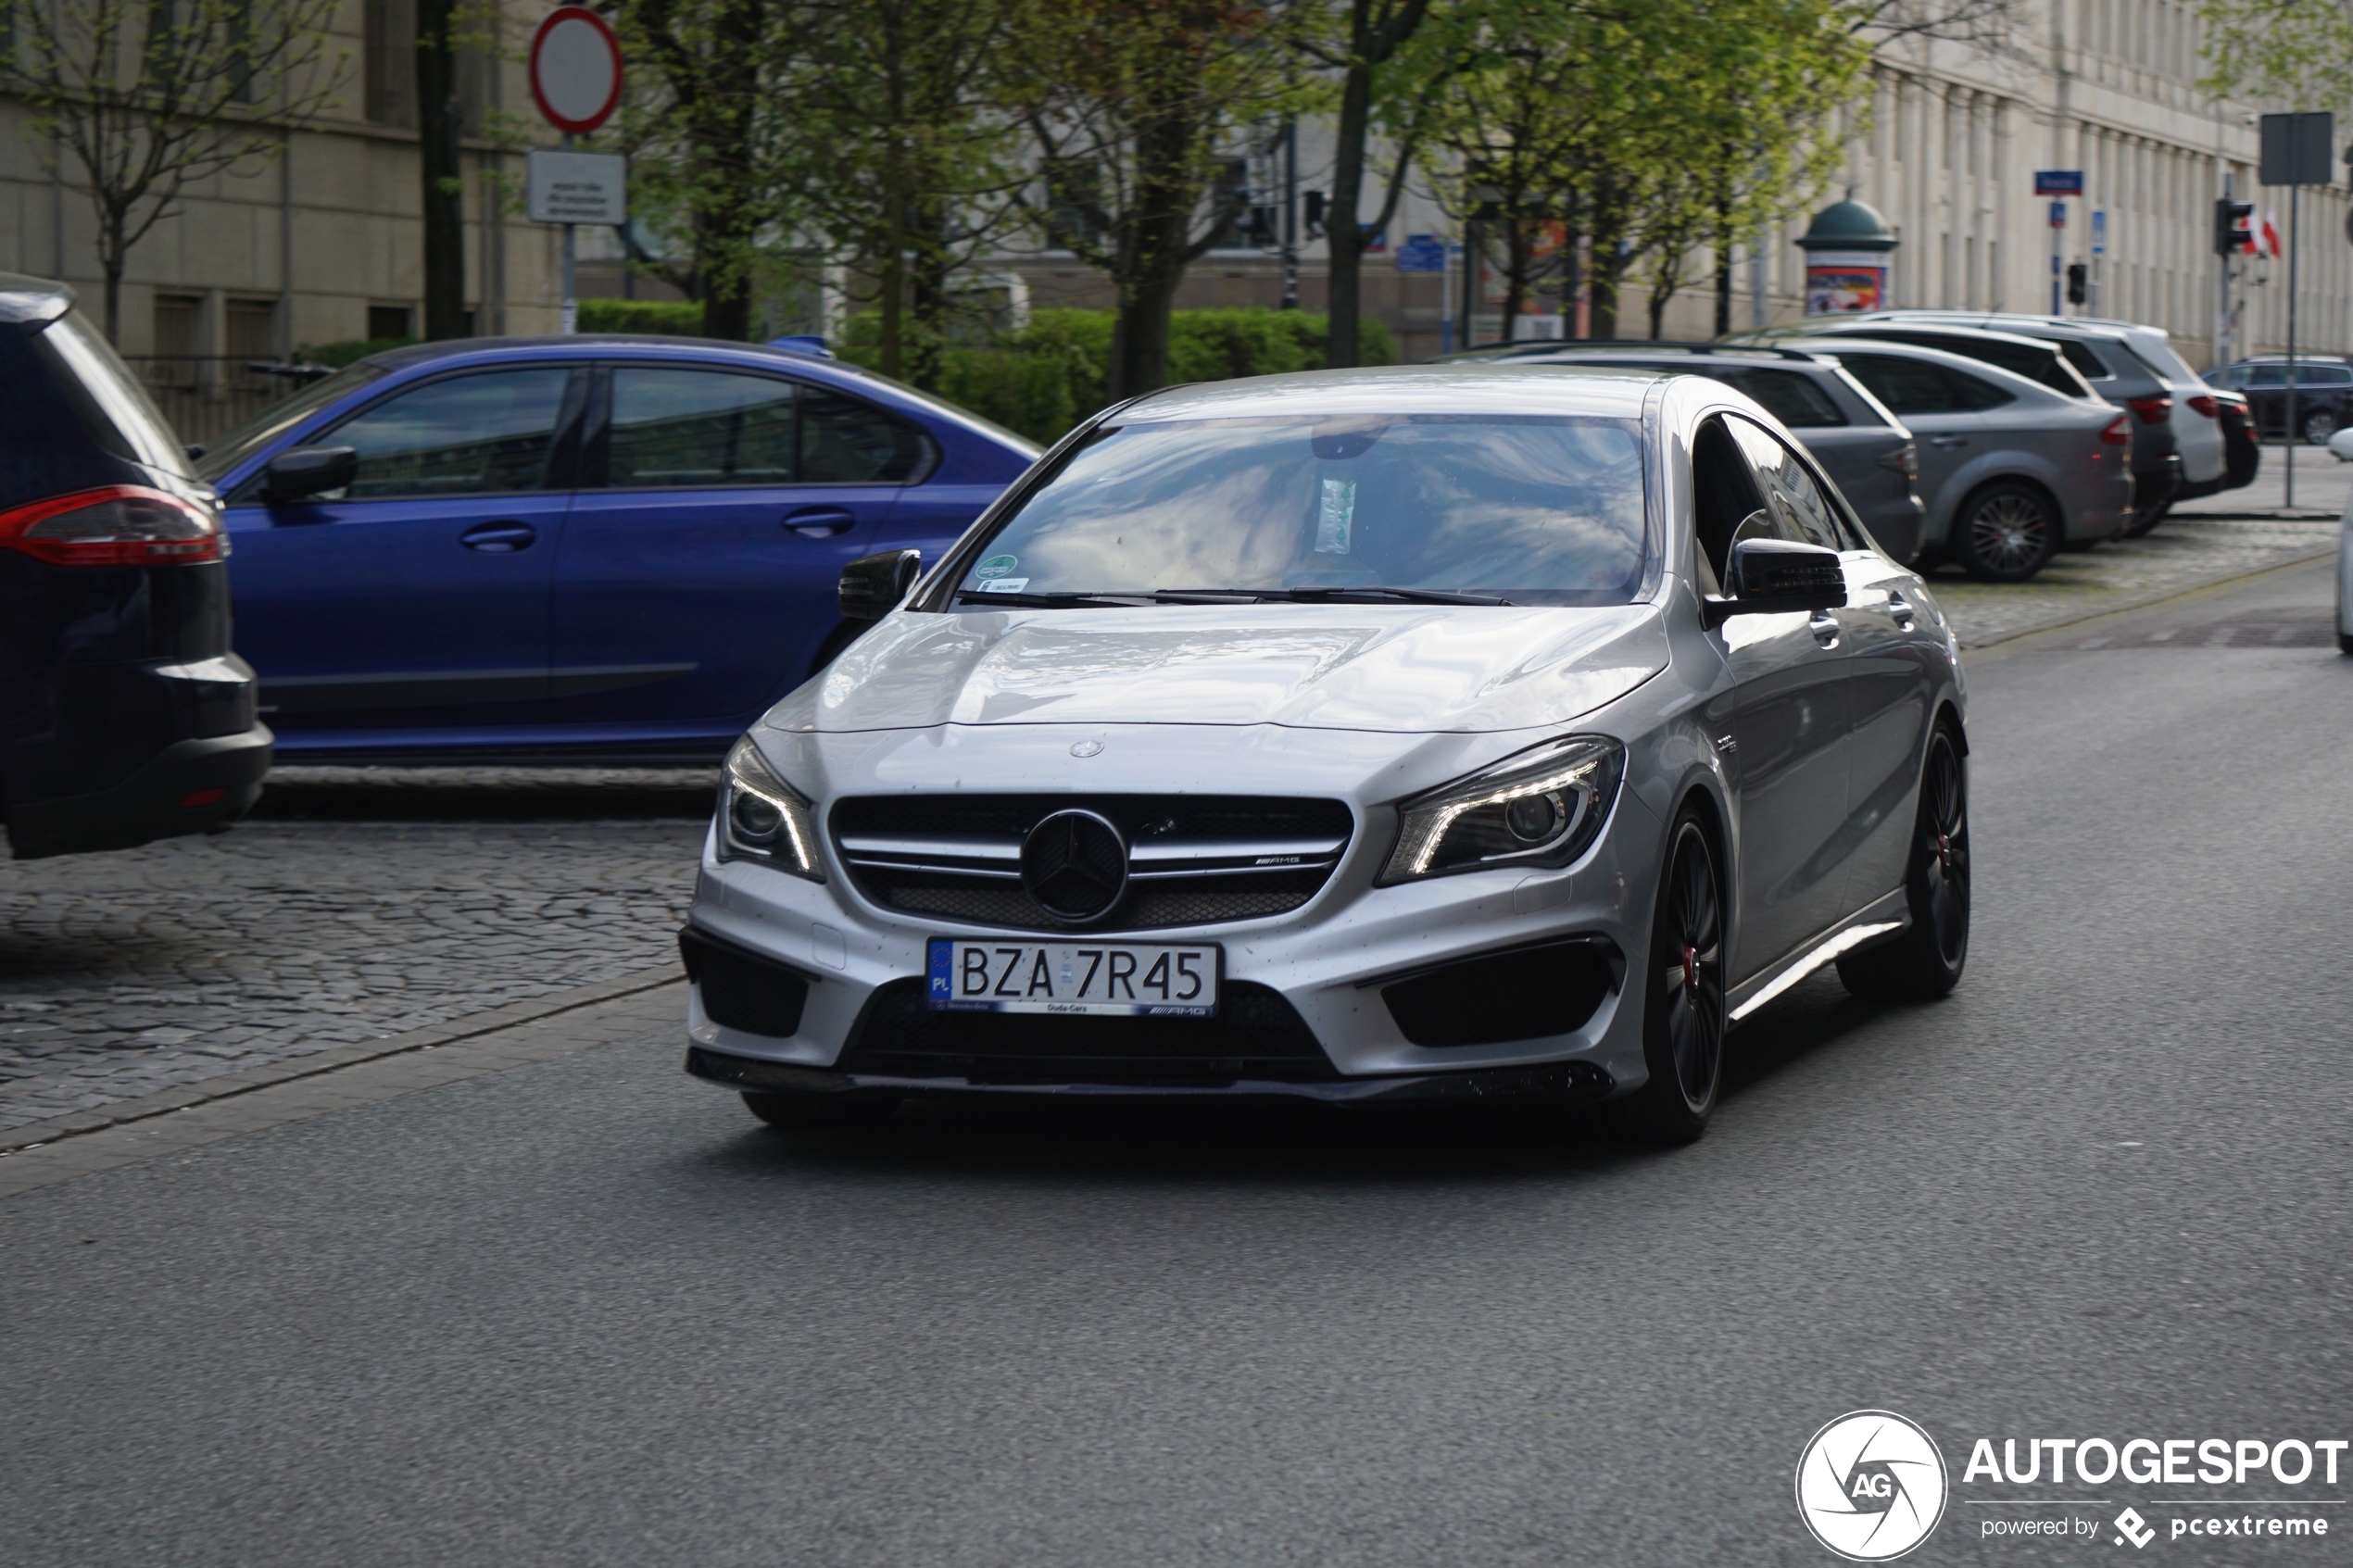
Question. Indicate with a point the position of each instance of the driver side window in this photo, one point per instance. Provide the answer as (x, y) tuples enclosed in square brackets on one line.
[(1724, 497), (1801, 513)]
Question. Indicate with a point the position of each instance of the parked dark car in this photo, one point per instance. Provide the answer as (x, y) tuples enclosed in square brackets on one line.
[(612, 545), (2323, 394), (1865, 451), (124, 717), (2062, 360)]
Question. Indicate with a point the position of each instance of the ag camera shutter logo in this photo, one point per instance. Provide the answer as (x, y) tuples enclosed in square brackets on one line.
[(1872, 1485)]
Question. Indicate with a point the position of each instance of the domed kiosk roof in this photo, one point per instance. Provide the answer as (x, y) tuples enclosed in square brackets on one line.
[(1849, 225)]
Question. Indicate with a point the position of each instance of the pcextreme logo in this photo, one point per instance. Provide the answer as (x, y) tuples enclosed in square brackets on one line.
[(1872, 1485)]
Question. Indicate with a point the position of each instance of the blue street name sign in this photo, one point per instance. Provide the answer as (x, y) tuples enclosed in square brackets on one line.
[(2099, 233), (1421, 253), (2059, 215), (2058, 182)]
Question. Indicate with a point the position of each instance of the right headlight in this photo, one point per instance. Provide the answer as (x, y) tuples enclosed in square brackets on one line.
[(1543, 807), (762, 818)]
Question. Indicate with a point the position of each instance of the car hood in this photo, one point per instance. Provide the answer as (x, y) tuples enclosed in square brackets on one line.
[(1403, 669)]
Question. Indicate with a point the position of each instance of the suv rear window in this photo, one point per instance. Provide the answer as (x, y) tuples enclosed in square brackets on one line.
[(112, 406), (1791, 396)]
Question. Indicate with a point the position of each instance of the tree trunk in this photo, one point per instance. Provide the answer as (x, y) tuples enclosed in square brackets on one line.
[(927, 295), (1609, 267), (728, 222), (437, 159), (1723, 263), (1343, 241), (110, 259)]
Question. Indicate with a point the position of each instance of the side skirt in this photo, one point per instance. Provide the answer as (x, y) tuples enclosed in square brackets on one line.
[(1882, 920)]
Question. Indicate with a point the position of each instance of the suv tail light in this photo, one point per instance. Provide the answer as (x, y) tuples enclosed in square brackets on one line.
[(2153, 411), (1905, 459), (2202, 405), (119, 525), (2119, 431)]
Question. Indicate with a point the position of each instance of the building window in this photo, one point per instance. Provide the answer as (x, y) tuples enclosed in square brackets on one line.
[(249, 328), (389, 66), (386, 322)]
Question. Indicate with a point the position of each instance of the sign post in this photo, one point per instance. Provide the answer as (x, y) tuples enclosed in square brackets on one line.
[(2057, 182), (575, 80), (2298, 150)]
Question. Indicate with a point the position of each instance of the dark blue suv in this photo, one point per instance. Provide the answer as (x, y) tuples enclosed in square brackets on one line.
[(123, 715), (614, 546)]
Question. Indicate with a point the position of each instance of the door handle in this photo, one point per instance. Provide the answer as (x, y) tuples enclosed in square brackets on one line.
[(819, 522), (1901, 608), (499, 538), (1948, 441), (1824, 625)]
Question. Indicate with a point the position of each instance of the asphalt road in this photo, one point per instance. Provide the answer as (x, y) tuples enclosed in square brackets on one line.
[(588, 1312)]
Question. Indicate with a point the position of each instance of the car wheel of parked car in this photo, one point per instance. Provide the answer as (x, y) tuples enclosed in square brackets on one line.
[(824, 1113), (2006, 533), (1926, 960), (2318, 426), (2145, 519), (1683, 1017)]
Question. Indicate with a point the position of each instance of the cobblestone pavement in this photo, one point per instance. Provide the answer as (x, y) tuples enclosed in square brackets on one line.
[(2185, 552), (358, 903)]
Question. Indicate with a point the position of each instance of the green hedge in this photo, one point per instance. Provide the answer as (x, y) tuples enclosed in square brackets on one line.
[(1049, 375), (677, 318), (338, 355)]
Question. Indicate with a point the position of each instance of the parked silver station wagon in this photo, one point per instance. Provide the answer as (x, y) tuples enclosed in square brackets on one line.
[(1364, 735)]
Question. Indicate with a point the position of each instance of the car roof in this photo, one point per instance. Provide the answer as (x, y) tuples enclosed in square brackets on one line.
[(32, 299), (1614, 349), (1860, 326), (1480, 386), (1857, 342)]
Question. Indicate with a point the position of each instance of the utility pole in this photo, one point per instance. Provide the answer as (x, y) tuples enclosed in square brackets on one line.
[(1290, 215), (2298, 150)]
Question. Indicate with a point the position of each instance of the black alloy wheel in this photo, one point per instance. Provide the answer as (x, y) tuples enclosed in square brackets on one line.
[(2005, 532), (2319, 425), (1926, 960), (1683, 1014)]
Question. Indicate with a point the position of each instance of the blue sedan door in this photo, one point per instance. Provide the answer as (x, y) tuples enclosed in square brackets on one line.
[(696, 581), (418, 598)]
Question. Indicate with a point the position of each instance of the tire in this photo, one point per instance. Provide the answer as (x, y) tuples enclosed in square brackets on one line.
[(2146, 521), (2319, 425), (1683, 1015), (2005, 532), (843, 1112), (1926, 961)]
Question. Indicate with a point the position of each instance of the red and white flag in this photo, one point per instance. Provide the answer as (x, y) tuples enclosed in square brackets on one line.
[(2267, 241)]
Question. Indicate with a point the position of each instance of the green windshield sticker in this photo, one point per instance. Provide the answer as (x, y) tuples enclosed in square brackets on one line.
[(997, 566), (1338, 513)]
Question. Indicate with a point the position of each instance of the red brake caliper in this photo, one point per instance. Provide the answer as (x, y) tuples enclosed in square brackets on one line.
[(1944, 854), (1691, 969)]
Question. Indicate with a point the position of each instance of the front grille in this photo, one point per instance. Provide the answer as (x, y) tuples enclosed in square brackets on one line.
[(1193, 859), (1256, 1036)]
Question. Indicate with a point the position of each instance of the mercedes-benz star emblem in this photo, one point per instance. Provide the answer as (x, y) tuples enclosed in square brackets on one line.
[(1087, 749), (1075, 865)]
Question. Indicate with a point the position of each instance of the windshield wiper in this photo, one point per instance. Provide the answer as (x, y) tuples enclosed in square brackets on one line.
[(1052, 601), (1404, 596)]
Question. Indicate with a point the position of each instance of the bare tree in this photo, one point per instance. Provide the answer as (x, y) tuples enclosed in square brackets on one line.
[(152, 96)]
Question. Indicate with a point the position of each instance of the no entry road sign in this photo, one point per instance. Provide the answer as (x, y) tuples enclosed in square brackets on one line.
[(575, 69)]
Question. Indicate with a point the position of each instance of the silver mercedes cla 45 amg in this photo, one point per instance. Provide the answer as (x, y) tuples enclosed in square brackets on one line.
[(1456, 731)]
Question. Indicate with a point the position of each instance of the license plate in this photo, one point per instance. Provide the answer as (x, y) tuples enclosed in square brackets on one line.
[(1118, 979)]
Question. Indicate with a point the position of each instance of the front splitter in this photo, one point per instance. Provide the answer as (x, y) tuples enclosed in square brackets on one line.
[(1579, 1082)]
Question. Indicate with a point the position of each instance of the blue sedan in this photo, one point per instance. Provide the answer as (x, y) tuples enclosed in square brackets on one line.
[(610, 546)]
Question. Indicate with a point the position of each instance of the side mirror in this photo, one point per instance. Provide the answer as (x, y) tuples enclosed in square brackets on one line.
[(1776, 576), (299, 472), (871, 586)]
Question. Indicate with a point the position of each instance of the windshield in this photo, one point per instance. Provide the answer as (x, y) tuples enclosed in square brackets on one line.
[(1530, 510), (221, 456)]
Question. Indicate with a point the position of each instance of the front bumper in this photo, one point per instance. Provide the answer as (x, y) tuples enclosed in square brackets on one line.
[(835, 980)]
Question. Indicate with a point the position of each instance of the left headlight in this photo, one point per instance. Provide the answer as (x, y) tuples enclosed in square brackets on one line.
[(1543, 807), (762, 818)]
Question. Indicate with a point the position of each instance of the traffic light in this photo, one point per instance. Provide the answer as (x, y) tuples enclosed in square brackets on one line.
[(2233, 226), (2078, 275)]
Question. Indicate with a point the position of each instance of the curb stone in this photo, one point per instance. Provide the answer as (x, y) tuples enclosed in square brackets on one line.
[(264, 1076)]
